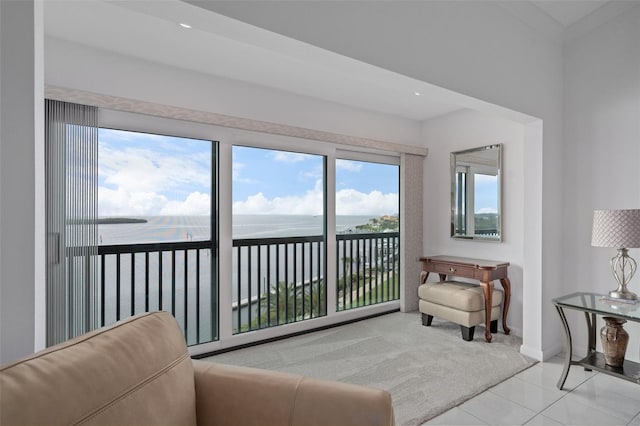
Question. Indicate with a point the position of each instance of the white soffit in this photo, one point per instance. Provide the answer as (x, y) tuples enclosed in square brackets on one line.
[(568, 12), (579, 17), (224, 47)]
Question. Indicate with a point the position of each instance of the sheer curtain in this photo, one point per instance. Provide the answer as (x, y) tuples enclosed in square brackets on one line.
[(71, 140)]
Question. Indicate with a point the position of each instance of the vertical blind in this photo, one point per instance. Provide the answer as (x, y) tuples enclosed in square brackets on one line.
[(71, 141)]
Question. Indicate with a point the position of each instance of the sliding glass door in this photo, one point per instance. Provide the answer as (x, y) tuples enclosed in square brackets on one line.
[(367, 233), (131, 226), (157, 229)]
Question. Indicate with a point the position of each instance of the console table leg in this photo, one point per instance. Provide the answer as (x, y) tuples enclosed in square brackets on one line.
[(506, 286), (487, 287), (591, 327), (568, 348)]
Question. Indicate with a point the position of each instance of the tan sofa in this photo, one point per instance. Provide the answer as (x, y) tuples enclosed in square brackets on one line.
[(138, 372)]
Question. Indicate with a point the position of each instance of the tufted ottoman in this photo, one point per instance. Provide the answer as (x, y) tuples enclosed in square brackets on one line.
[(462, 303)]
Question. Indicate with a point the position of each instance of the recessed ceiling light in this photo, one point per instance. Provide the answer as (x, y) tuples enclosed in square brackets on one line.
[(417, 93), (183, 25)]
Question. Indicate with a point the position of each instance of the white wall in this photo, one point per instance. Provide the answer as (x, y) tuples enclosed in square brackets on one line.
[(477, 48), (75, 66), (602, 153), (21, 178), (470, 129)]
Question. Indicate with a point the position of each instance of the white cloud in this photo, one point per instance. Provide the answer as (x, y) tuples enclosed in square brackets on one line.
[(348, 202), (139, 170), (314, 173), (310, 203), (236, 173), (351, 166), (487, 210), (290, 157), (307, 204), (236, 168), (196, 204), (353, 202), (145, 182), (124, 203)]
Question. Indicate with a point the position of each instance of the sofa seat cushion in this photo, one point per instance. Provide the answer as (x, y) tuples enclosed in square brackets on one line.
[(139, 374), (465, 297)]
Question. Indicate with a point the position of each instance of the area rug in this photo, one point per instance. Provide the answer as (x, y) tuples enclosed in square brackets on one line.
[(427, 370)]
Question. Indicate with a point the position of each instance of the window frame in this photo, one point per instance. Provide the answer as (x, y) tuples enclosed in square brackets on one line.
[(226, 138), (140, 123)]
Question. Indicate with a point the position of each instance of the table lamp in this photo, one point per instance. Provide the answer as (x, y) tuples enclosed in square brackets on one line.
[(618, 229)]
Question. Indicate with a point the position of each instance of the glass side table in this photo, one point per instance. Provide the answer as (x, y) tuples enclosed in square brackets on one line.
[(593, 304)]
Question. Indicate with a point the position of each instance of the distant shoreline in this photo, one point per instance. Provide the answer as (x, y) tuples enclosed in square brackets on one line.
[(119, 220)]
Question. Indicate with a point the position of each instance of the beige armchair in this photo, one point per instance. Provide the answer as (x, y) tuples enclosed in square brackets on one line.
[(138, 372)]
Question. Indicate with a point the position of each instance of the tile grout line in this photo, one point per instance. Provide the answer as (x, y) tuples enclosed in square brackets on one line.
[(532, 384), (581, 403), (563, 396), (537, 413)]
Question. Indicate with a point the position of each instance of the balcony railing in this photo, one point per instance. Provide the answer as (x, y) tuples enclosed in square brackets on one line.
[(281, 280), (278, 281), (174, 277), (367, 269), (275, 280)]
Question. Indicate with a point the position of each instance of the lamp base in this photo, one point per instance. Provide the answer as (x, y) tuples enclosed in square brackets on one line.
[(623, 267), (623, 293)]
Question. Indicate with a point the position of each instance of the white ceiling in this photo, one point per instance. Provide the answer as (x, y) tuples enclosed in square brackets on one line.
[(229, 48), (568, 12)]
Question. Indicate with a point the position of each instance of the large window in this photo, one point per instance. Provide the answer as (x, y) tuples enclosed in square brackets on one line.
[(367, 233), (277, 193), (136, 219), (157, 187), (155, 229), (278, 238)]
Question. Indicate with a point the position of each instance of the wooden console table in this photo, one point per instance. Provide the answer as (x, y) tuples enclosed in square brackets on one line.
[(485, 271)]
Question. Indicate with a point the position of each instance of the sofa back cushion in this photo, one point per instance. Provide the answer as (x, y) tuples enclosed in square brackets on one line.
[(137, 371)]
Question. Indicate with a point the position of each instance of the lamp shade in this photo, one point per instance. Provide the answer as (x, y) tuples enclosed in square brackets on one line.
[(616, 228)]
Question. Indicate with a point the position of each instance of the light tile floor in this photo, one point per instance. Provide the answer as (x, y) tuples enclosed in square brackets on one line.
[(532, 398)]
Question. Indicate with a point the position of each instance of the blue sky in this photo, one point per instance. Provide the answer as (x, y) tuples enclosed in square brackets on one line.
[(486, 195), (274, 173), (142, 175), (277, 182)]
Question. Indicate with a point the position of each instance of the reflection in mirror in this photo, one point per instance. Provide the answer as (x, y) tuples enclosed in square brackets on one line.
[(476, 193)]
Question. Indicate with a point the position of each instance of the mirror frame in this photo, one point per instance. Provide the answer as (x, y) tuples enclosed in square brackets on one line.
[(454, 167)]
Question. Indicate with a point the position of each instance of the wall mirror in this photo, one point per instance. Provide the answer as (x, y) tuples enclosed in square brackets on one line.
[(476, 193)]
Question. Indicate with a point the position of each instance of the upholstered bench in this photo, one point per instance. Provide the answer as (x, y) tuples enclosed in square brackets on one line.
[(458, 302)]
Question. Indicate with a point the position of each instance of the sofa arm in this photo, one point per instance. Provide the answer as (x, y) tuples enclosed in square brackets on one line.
[(231, 395)]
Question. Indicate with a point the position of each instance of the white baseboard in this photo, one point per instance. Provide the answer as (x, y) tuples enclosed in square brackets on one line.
[(552, 351), (532, 353), (542, 355)]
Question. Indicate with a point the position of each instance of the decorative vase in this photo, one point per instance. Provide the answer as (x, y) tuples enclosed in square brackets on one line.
[(614, 341)]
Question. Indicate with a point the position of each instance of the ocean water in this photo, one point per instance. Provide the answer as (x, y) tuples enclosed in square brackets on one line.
[(197, 228)]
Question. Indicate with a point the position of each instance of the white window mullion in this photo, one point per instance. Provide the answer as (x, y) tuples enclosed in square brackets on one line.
[(470, 202), (225, 244), (331, 234)]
